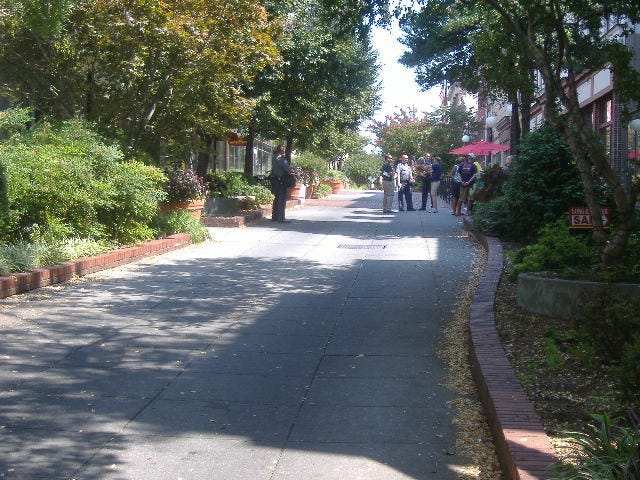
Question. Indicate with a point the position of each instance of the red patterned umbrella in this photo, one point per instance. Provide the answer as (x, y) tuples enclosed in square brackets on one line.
[(479, 148)]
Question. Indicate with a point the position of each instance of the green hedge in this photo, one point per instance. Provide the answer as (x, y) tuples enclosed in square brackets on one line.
[(543, 182), (64, 180)]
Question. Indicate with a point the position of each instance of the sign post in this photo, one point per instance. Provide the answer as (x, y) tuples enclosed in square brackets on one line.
[(580, 218)]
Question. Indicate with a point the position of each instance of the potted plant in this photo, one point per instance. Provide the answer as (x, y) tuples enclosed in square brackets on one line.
[(299, 174), (185, 189), (336, 179)]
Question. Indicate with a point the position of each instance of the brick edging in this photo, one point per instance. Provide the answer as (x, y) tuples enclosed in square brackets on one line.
[(53, 274), (523, 447)]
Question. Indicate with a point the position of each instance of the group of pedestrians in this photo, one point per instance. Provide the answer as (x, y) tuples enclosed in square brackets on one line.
[(401, 178)]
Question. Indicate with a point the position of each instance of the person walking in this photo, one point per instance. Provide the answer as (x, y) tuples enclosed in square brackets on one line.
[(387, 175), (280, 166), (436, 174), (423, 169), (404, 179)]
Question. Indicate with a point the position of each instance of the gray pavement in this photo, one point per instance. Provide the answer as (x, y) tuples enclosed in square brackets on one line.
[(293, 351)]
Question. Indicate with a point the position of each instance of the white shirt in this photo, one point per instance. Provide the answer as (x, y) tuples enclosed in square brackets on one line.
[(404, 172)]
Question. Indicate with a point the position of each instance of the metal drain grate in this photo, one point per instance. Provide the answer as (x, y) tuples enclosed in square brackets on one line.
[(362, 247)]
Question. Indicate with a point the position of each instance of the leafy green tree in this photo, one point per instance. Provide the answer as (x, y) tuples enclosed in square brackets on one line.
[(447, 125), (360, 166), (448, 40), (435, 132), (404, 132), (157, 75), (325, 85), (562, 41)]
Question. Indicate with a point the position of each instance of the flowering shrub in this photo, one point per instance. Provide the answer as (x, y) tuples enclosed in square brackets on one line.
[(313, 167), (185, 185), (301, 175)]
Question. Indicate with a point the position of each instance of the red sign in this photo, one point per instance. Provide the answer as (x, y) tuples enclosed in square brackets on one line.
[(580, 217), (235, 141)]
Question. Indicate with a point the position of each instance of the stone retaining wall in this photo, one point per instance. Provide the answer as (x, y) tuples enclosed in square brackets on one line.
[(560, 298)]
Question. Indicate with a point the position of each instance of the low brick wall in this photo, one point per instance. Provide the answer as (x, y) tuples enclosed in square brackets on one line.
[(51, 275), (522, 445)]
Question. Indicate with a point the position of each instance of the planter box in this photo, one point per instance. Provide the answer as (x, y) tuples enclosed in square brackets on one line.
[(221, 206), (556, 297), (194, 207), (336, 185)]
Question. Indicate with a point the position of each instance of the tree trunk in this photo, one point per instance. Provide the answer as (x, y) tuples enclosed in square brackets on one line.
[(248, 154), (288, 146), (204, 154)]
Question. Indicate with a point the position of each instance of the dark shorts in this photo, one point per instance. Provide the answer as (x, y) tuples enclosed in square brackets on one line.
[(455, 190)]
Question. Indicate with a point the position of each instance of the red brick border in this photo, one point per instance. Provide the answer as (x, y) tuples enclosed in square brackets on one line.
[(42, 277), (523, 447)]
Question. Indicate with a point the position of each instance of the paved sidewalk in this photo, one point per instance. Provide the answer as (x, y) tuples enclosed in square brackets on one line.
[(278, 351)]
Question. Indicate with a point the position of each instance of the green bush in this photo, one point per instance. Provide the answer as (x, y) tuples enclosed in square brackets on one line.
[(19, 257), (490, 217), (322, 191), (180, 221), (236, 184), (132, 202), (360, 166), (64, 181), (542, 184), (627, 371), (14, 120), (556, 249), (4, 203), (609, 324), (313, 166)]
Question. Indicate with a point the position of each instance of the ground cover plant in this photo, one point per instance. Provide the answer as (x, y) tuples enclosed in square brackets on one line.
[(237, 184), (575, 369)]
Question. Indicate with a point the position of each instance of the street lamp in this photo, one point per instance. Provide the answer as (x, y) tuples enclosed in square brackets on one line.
[(635, 126), (491, 121), (465, 138)]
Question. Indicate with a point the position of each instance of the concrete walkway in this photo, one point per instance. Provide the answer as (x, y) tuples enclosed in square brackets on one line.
[(279, 351)]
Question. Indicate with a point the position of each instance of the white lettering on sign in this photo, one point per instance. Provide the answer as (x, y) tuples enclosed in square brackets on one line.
[(580, 217)]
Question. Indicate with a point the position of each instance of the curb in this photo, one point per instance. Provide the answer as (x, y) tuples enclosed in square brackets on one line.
[(523, 448), (63, 272)]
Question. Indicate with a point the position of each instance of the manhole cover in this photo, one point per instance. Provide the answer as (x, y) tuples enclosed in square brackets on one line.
[(362, 247)]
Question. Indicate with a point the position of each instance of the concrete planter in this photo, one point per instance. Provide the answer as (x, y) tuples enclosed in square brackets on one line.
[(562, 298), (221, 206)]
